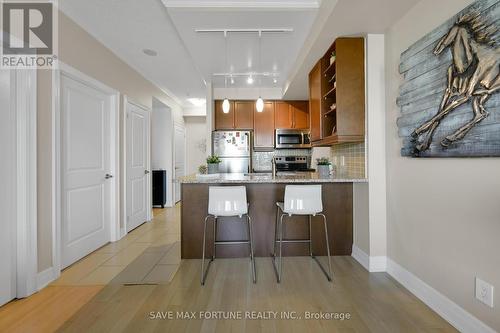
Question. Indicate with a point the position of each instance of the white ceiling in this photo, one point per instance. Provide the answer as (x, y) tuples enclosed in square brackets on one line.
[(278, 51), (186, 59)]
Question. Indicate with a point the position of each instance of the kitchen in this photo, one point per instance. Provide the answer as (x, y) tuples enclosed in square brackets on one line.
[(278, 143)]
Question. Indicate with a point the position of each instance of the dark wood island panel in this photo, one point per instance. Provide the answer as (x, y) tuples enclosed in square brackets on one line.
[(337, 206)]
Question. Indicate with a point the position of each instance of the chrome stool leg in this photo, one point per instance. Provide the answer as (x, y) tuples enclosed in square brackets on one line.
[(281, 246), (329, 273), (276, 231), (203, 271), (215, 238), (252, 257), (310, 238)]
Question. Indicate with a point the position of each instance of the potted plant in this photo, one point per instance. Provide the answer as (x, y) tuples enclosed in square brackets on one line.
[(323, 166), (213, 164), (202, 169)]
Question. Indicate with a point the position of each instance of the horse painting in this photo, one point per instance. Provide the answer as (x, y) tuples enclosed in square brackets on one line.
[(472, 77)]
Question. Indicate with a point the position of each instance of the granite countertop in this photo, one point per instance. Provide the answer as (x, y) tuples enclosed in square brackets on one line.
[(285, 177)]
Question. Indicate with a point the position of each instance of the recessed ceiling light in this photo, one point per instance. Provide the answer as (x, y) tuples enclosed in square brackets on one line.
[(149, 52), (197, 101), (275, 80), (250, 80)]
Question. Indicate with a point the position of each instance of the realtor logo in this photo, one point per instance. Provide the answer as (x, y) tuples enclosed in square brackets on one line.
[(29, 30)]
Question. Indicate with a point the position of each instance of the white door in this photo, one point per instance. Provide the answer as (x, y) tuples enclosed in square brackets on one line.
[(85, 169), (138, 173), (7, 203), (180, 151)]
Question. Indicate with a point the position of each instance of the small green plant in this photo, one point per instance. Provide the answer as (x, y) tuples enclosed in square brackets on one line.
[(333, 54), (323, 161), (202, 169), (214, 159)]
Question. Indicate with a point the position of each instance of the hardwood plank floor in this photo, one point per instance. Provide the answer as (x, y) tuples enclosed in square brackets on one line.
[(375, 302)]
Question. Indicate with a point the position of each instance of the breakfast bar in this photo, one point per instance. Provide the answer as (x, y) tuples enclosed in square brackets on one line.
[(263, 191)]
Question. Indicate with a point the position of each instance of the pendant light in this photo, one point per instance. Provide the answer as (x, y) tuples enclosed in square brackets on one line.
[(259, 105), (226, 106)]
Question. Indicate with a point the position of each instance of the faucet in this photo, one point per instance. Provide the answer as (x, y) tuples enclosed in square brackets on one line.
[(273, 163)]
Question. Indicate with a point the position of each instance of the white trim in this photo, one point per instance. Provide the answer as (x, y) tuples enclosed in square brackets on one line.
[(450, 311), (378, 264), (45, 277), (24, 87), (371, 264), (361, 257), (70, 72), (149, 202)]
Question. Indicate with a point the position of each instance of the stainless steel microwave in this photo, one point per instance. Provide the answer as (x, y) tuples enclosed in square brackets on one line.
[(292, 138)]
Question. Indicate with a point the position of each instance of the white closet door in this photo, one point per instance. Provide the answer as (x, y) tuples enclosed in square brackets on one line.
[(138, 173), (86, 158)]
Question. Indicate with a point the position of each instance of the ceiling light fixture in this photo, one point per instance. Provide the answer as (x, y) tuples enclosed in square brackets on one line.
[(232, 79), (226, 106), (150, 52), (250, 80), (259, 105)]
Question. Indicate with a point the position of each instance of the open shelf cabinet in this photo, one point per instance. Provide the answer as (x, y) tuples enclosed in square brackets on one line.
[(337, 94)]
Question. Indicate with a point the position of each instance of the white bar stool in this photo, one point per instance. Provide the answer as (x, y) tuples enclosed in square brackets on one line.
[(299, 200), (226, 201)]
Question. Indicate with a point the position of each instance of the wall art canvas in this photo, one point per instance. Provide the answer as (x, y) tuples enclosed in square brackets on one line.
[(450, 95)]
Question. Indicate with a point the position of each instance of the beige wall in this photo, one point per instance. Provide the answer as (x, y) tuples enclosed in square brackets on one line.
[(443, 214), (80, 50), (196, 149)]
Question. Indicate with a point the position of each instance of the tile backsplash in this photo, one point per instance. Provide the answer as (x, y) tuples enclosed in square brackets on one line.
[(349, 158), (262, 160)]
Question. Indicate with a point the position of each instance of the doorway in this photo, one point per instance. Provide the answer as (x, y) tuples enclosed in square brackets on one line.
[(138, 187), (88, 113), (179, 158)]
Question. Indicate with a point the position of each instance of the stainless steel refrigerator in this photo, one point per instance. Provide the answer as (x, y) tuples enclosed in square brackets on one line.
[(234, 149)]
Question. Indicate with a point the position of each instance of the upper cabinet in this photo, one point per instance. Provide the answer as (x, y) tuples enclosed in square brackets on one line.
[(224, 120), (292, 114), (264, 127), (243, 114), (240, 115), (337, 94)]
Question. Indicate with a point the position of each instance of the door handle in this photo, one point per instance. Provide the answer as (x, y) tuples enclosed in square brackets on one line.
[(146, 172), (108, 176)]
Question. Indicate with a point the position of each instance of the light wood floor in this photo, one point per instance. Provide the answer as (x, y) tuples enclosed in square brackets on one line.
[(374, 302)]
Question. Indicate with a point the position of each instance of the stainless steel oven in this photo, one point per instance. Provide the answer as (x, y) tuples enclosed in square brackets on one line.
[(292, 138)]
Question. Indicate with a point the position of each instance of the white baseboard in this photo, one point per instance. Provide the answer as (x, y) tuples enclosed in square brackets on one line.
[(45, 277), (371, 264), (378, 264), (450, 311), (361, 257)]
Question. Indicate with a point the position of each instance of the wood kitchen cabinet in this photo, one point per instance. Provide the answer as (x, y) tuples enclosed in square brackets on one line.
[(263, 127), (315, 102), (243, 114), (293, 114), (224, 120), (240, 115), (337, 94)]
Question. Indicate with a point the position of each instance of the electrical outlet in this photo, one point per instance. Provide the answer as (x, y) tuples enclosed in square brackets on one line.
[(484, 292)]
